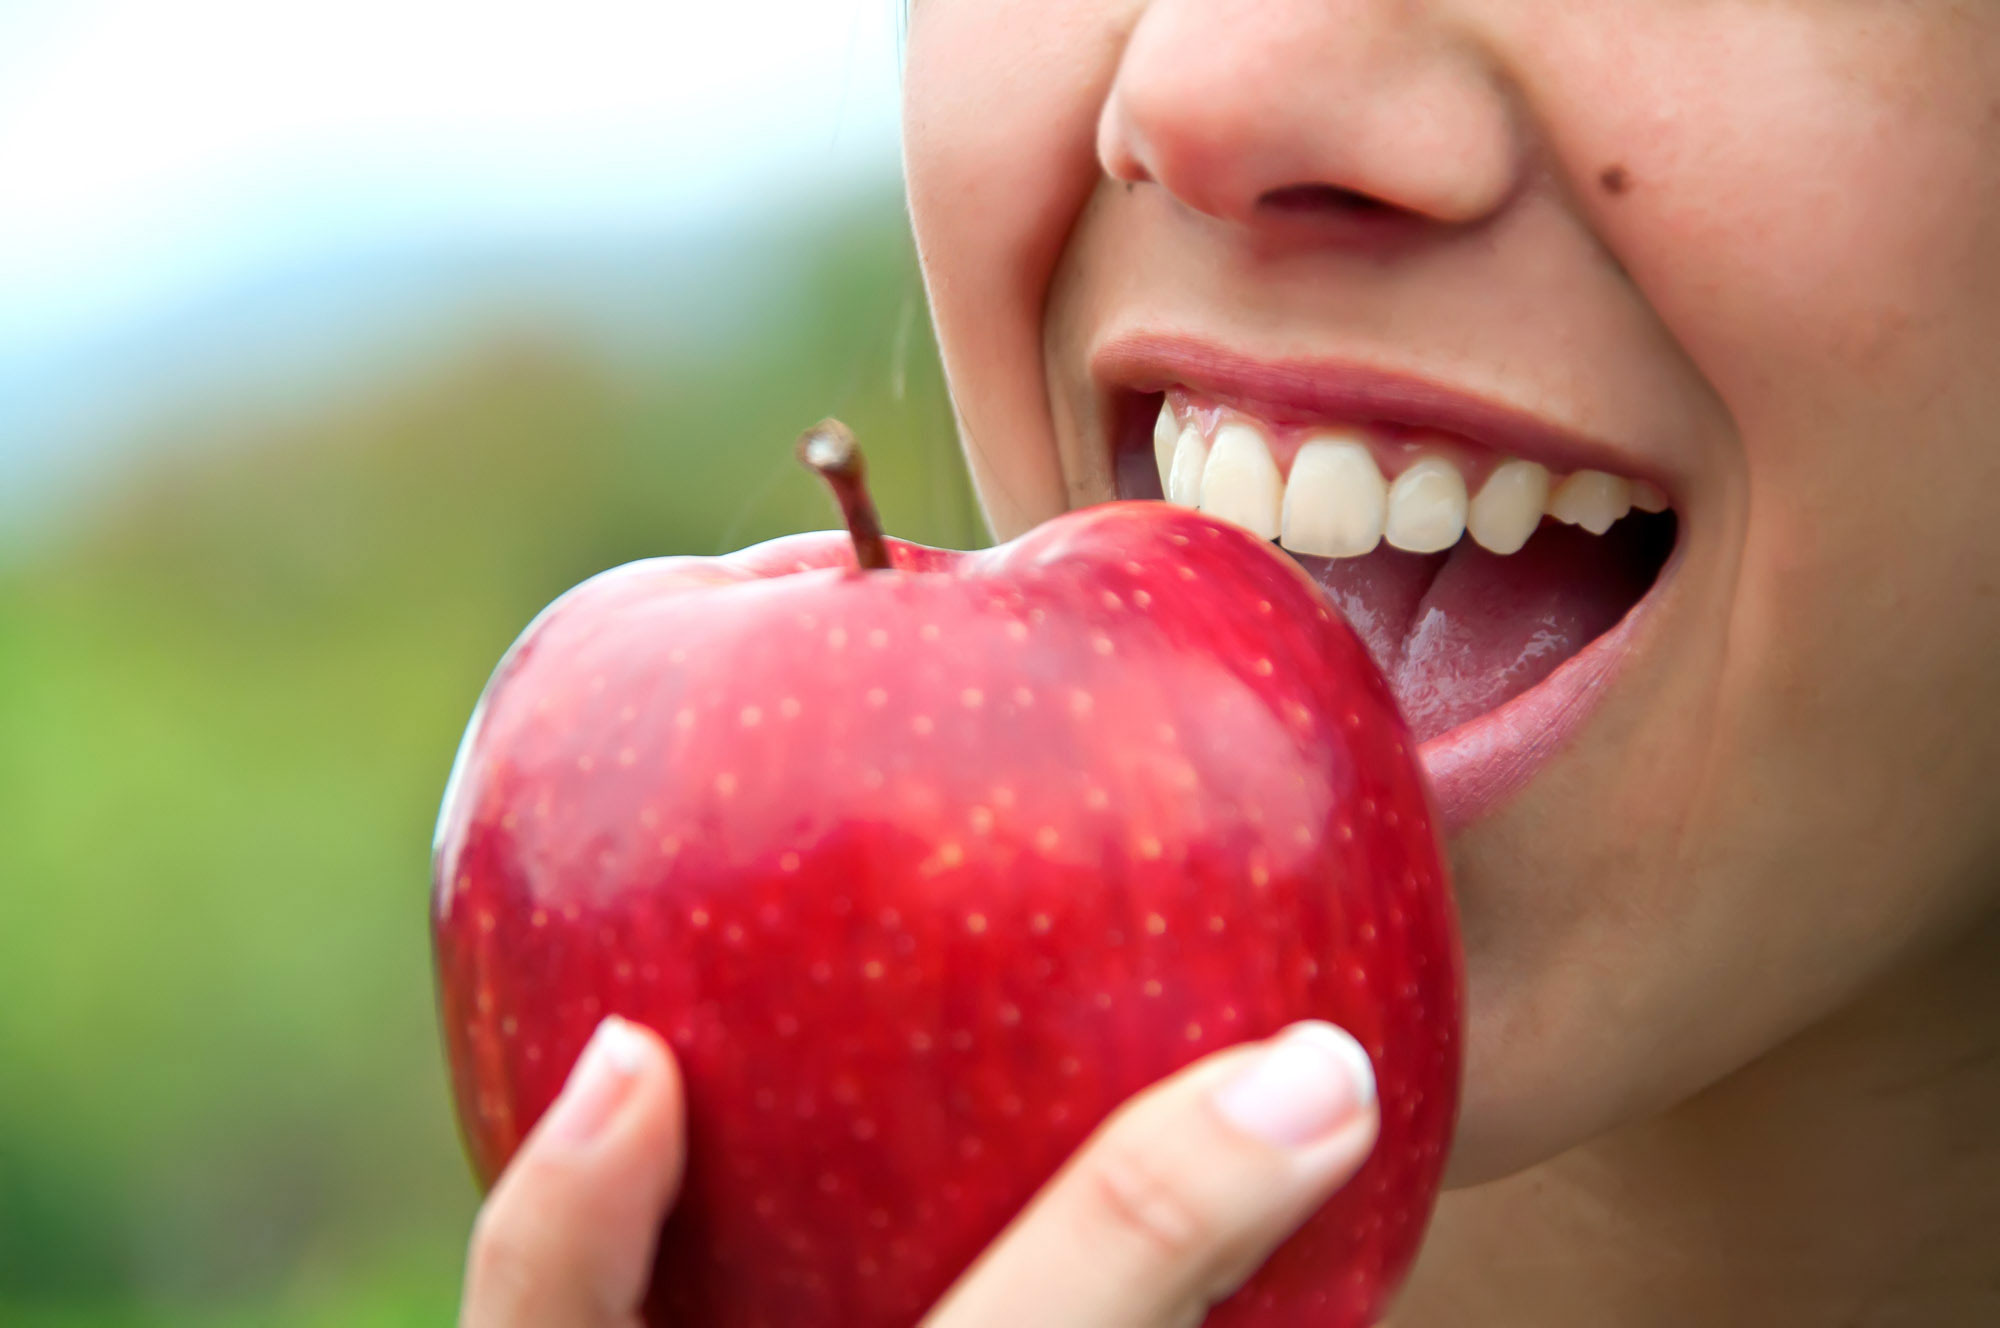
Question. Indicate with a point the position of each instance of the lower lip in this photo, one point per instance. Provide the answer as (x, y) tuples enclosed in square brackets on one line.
[(1482, 763)]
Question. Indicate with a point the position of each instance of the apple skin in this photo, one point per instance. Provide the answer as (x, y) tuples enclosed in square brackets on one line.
[(922, 872)]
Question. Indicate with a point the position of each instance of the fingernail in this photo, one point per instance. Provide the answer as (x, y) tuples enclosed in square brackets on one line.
[(599, 1083), (1311, 1080)]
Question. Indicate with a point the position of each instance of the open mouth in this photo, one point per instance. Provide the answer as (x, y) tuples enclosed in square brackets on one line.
[(1473, 574)]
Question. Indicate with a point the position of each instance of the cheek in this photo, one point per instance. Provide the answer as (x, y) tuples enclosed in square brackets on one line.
[(1000, 118), (1810, 194)]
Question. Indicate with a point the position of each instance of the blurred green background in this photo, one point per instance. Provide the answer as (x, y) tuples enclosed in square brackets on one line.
[(236, 655)]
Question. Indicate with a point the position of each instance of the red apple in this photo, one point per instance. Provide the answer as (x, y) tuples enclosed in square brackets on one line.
[(922, 867)]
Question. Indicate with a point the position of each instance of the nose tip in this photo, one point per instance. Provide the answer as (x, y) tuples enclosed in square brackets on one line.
[(1285, 110)]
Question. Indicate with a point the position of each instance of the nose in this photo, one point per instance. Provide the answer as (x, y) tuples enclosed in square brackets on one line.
[(1256, 111)]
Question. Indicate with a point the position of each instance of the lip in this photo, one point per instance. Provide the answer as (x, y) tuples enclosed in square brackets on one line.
[(1485, 761), (1306, 391)]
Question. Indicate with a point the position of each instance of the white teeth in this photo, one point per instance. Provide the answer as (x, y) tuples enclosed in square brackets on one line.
[(1591, 499), (1648, 497), (1335, 500), (1184, 477), (1240, 483), (1508, 506), (1166, 432), (1426, 507)]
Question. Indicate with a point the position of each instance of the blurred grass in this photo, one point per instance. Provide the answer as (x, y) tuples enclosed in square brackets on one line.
[(229, 695)]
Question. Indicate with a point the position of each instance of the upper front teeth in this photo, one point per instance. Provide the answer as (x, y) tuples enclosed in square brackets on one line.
[(1337, 504), (1240, 483), (1336, 499), (1426, 507)]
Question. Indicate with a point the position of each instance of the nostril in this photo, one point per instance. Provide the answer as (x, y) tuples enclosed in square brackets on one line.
[(1323, 198)]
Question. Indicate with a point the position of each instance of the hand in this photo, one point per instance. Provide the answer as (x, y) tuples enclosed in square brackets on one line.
[(1162, 1213)]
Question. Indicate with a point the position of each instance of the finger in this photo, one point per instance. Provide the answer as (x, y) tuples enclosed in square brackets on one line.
[(1178, 1198), (566, 1239)]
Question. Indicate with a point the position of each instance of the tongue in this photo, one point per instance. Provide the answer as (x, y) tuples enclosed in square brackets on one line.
[(1461, 633)]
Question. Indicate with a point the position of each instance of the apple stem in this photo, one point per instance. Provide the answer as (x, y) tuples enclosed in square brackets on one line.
[(829, 448)]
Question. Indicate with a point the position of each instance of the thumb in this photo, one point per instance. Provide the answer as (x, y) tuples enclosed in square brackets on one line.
[(567, 1237)]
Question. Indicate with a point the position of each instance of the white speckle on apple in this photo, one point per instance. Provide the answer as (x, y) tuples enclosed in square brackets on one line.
[(922, 725), (1152, 987), (1003, 796), (586, 763), (1023, 697), (1149, 847), (1143, 599), (677, 656), (1071, 1067), (1263, 667), (509, 1026), (1194, 1032), (699, 917), (972, 698), (836, 638), (538, 919), (878, 638), (877, 697), (807, 621), (533, 1051), (872, 970), (1081, 703), (670, 847), (1046, 839), (750, 716), (1185, 572), (976, 923), (789, 707), (1217, 924), (486, 919), (928, 632), (920, 1042), (1102, 644), (871, 778), (1009, 1013), (684, 719), (627, 714), (1155, 925), (788, 861), (1111, 601), (981, 819), (622, 971), (890, 919), (1040, 924), (733, 933), (950, 853), (1102, 1000), (1096, 798), (725, 784), (1308, 969), (1345, 833)]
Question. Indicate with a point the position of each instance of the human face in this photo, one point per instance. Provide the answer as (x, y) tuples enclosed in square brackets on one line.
[(1747, 251)]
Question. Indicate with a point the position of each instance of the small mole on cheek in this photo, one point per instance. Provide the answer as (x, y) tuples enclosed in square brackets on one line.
[(1615, 179)]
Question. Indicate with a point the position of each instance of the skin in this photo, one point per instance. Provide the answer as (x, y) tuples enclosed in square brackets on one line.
[(1734, 955)]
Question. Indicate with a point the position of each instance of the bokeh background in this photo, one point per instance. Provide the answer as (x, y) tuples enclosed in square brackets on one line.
[(335, 340)]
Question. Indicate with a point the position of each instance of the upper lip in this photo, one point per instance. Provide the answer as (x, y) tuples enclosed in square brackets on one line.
[(1308, 390)]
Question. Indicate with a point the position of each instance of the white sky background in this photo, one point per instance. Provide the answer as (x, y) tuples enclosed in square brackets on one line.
[(152, 150)]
